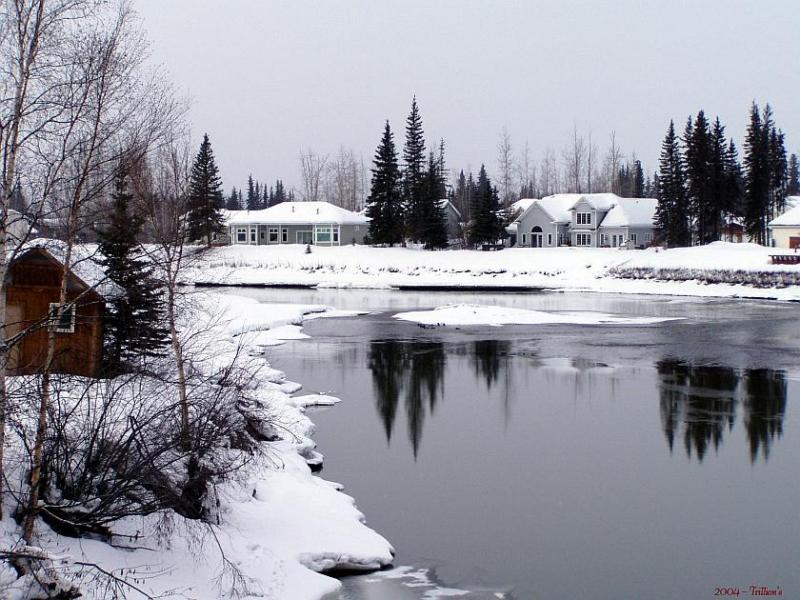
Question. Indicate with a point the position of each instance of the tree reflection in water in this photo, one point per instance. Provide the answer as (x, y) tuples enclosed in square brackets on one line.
[(702, 400), (414, 370)]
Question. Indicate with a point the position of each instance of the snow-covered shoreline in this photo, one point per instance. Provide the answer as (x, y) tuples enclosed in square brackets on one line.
[(280, 526), (706, 271)]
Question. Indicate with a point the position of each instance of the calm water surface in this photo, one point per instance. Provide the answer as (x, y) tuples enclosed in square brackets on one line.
[(564, 461)]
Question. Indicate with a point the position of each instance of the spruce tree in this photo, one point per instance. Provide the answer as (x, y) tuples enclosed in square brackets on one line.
[(442, 169), (698, 152), (132, 325), (385, 203), (735, 181), (232, 203), (205, 196), (672, 219), (638, 180), (719, 200), (414, 173), (434, 219), (757, 176), (252, 197), (486, 226), (793, 185), (778, 172)]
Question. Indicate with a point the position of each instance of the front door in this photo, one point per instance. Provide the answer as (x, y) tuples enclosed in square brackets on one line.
[(304, 237), (536, 240), (794, 242)]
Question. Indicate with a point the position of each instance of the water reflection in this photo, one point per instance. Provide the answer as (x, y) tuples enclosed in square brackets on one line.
[(702, 402)]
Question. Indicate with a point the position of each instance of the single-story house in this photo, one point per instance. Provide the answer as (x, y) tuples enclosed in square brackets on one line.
[(318, 223), (785, 229), (598, 220), (34, 287)]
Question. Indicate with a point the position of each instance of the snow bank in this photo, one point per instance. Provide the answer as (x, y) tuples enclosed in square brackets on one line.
[(279, 525), (474, 314), (685, 271)]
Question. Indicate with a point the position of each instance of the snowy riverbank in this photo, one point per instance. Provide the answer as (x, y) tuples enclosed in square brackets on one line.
[(280, 526), (716, 270)]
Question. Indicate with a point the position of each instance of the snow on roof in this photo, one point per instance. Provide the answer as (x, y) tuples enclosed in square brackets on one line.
[(790, 218), (603, 201), (631, 212), (522, 204), (83, 264), (443, 202), (295, 213), (557, 206)]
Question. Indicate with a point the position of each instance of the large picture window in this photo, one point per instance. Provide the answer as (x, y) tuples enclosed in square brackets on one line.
[(323, 235), (273, 235), (66, 324), (241, 235), (583, 218), (583, 239)]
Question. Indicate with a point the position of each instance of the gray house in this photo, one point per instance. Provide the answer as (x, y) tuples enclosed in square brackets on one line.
[(597, 220), (454, 219), (317, 223)]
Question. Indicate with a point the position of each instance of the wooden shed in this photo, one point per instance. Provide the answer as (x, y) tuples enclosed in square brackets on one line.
[(34, 284)]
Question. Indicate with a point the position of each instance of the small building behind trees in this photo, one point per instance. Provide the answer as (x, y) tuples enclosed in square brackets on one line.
[(785, 229), (33, 291)]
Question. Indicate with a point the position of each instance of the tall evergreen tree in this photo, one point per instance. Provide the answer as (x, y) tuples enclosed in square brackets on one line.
[(442, 169), (778, 172), (434, 220), (252, 197), (133, 322), (385, 202), (638, 180), (757, 175), (414, 173), (672, 219), (697, 140), (793, 185), (205, 196), (486, 226), (720, 202)]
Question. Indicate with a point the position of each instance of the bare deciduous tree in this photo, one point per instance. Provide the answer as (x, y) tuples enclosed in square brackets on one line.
[(505, 165), (574, 157), (312, 171), (613, 161)]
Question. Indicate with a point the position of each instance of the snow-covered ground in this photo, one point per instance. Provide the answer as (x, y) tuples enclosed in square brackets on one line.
[(279, 525), (719, 269)]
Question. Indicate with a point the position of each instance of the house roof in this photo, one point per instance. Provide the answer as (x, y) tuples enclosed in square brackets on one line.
[(522, 204), (443, 202), (296, 213), (603, 201), (557, 206), (631, 212), (791, 218), (84, 264)]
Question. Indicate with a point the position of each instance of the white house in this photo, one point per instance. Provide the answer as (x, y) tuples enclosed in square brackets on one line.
[(785, 229), (318, 223), (598, 220)]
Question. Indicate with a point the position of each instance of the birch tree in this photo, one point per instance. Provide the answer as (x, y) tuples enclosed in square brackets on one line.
[(313, 167), (505, 165)]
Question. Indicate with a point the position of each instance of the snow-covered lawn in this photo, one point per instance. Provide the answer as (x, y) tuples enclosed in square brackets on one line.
[(279, 524), (475, 314), (719, 269)]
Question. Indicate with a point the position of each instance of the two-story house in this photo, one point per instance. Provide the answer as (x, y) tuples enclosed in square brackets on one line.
[(595, 220)]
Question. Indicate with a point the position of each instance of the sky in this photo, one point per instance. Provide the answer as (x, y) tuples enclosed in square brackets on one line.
[(268, 78)]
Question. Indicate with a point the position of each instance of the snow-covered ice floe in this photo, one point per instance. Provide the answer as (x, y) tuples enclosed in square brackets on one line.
[(477, 314)]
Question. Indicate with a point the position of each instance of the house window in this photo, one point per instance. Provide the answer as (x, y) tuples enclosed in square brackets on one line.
[(560, 239), (272, 235), (603, 239), (584, 218), (633, 238), (253, 235), (241, 235), (284, 235), (66, 324), (335, 235), (583, 239), (323, 235), (648, 237), (549, 239), (524, 239), (303, 237)]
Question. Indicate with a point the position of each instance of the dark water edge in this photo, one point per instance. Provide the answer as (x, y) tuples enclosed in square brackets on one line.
[(564, 461)]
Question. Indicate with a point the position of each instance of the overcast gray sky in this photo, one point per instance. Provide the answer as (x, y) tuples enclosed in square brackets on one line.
[(268, 77)]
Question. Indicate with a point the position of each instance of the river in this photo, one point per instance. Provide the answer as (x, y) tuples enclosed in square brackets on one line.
[(563, 461)]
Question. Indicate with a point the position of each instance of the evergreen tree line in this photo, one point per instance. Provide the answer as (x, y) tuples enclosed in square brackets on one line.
[(258, 195), (407, 204), (703, 188)]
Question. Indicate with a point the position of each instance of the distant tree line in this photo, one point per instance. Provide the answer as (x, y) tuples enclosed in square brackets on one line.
[(703, 188)]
